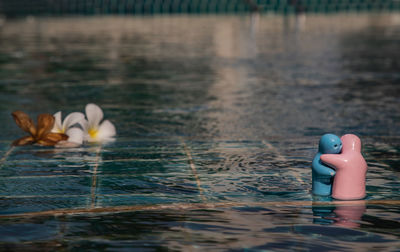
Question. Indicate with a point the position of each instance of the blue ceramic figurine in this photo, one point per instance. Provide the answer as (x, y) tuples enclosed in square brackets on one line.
[(322, 175)]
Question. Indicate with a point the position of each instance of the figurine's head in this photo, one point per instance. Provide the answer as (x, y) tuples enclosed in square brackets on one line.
[(330, 144), (351, 143)]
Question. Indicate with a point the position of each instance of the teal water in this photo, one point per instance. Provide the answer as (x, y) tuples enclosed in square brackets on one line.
[(224, 110)]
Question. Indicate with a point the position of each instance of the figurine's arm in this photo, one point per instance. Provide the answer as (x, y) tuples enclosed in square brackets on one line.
[(334, 160), (322, 169)]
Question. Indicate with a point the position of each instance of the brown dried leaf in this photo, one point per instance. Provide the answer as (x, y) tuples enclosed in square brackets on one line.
[(46, 142), (56, 137), (45, 123), (24, 122), (23, 141), (41, 134)]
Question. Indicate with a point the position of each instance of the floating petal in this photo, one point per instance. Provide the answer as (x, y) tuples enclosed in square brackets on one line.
[(106, 130), (57, 128), (72, 119), (94, 115), (85, 126), (67, 144), (75, 135)]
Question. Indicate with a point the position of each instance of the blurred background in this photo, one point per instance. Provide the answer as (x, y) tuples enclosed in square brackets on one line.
[(92, 7)]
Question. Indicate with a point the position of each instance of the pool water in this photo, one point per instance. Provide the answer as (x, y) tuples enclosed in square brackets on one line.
[(218, 119)]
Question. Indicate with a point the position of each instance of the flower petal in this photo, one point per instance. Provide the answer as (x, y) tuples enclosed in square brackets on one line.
[(23, 141), (72, 119), (24, 122), (106, 131), (85, 127), (94, 115), (75, 135), (57, 128), (67, 144), (45, 123)]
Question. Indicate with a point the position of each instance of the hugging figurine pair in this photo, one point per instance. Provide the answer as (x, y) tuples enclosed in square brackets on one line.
[(339, 169)]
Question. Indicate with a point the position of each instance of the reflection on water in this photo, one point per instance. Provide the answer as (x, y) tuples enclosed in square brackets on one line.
[(226, 229), (348, 216), (240, 100)]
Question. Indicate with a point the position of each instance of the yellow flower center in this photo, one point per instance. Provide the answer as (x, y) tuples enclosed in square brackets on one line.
[(59, 130), (93, 133)]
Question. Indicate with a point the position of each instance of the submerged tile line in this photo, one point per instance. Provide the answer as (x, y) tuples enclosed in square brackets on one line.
[(4, 158), (194, 170), (140, 126), (274, 150), (78, 175), (148, 129), (281, 158), (91, 162), (67, 196), (42, 196), (199, 206), (46, 176), (94, 179)]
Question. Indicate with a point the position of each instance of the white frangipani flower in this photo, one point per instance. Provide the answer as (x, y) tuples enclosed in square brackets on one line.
[(94, 131), (75, 134)]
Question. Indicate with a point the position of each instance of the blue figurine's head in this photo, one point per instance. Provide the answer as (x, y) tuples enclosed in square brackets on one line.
[(330, 144)]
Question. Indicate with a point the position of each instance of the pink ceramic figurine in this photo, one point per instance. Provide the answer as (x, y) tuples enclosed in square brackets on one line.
[(351, 169)]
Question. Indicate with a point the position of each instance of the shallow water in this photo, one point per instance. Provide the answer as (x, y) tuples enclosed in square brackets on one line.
[(218, 119)]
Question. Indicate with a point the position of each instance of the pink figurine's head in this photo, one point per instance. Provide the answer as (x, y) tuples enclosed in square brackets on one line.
[(351, 143)]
